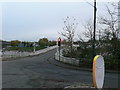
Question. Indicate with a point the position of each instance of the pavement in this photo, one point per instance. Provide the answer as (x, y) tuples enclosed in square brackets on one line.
[(43, 71), (9, 55)]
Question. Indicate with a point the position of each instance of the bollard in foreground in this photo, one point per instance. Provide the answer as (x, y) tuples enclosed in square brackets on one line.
[(98, 71)]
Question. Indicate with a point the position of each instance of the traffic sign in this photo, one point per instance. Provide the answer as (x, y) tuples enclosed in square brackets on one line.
[(98, 71), (34, 44), (59, 41)]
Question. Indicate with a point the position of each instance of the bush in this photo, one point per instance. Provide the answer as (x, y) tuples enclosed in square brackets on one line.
[(108, 50)]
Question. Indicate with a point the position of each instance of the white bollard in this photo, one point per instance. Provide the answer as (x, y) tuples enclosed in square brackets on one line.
[(98, 71)]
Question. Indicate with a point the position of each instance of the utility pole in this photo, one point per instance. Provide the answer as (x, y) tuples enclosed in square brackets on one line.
[(94, 31), (119, 16), (93, 46)]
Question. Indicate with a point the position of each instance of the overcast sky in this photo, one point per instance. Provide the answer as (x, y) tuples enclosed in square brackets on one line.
[(31, 21)]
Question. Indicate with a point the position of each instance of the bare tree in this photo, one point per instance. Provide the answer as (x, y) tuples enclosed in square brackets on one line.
[(69, 31), (111, 21), (111, 30), (89, 29), (99, 33)]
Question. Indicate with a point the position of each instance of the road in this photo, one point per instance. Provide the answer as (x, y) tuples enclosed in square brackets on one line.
[(38, 72)]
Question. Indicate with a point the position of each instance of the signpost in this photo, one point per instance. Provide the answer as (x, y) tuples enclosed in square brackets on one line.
[(34, 46), (98, 71), (59, 44)]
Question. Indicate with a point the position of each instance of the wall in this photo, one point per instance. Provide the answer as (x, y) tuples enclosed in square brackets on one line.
[(67, 60)]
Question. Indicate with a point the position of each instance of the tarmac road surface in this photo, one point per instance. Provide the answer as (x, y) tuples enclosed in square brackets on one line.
[(38, 72)]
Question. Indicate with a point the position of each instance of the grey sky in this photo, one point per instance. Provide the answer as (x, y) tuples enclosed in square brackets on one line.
[(31, 21)]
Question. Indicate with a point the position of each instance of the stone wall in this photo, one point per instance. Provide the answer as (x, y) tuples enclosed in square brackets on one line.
[(67, 60)]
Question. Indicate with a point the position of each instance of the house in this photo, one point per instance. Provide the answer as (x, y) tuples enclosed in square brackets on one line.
[(5, 44)]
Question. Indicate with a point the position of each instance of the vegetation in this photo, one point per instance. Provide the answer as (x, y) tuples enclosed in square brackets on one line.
[(70, 25), (107, 41), (46, 42), (52, 43), (15, 42), (17, 45), (43, 42)]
